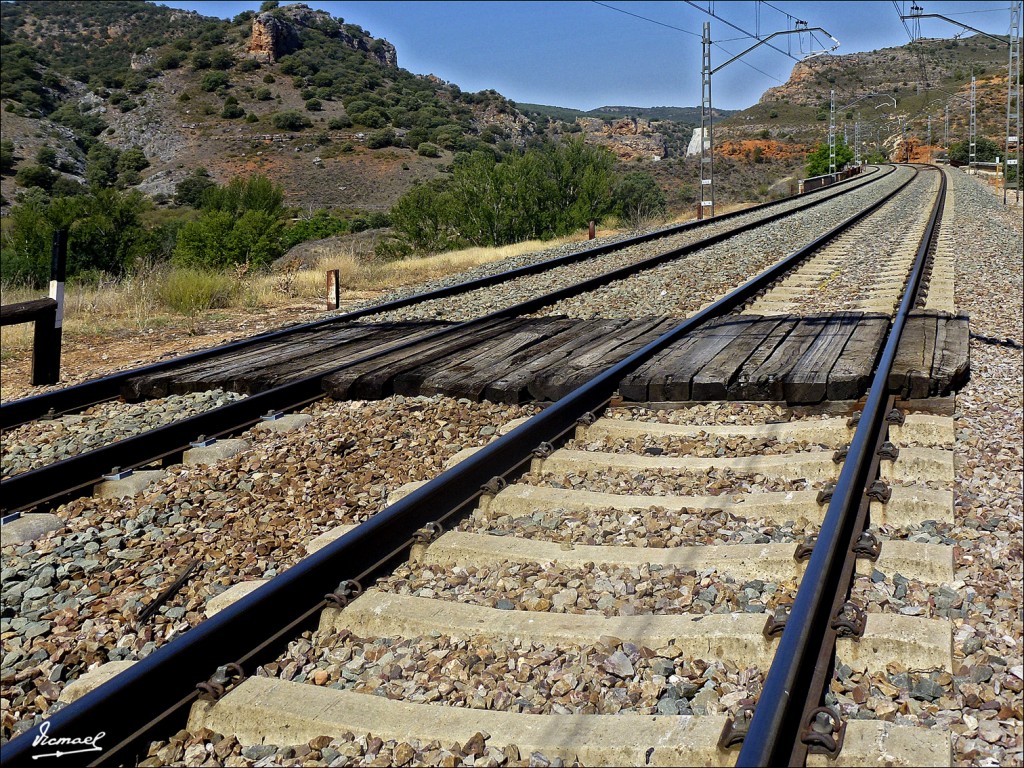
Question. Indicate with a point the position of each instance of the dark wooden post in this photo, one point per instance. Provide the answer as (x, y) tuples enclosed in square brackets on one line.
[(48, 353), (593, 232)]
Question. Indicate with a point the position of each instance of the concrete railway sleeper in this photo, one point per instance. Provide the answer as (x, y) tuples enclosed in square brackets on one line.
[(64, 478), (677, 632)]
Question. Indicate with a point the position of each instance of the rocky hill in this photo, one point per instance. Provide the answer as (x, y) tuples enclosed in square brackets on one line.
[(323, 107), (922, 76), (317, 103)]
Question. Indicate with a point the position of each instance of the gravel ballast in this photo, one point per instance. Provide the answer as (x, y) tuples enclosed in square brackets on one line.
[(72, 600)]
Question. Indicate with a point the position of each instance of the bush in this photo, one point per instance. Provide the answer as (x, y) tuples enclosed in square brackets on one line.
[(170, 60), (339, 123), (213, 80), (222, 59), (290, 120), (638, 198), (380, 139), (104, 234), (263, 94), (269, 78), (232, 111), (320, 225), (543, 193), (7, 157), (817, 161), (985, 151), (47, 156), (191, 291), (36, 176), (189, 191), (427, 149), (240, 224), (314, 105)]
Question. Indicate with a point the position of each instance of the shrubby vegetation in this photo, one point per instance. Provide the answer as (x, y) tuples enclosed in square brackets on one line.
[(817, 161), (240, 223), (105, 235), (985, 151), (638, 199), (539, 194)]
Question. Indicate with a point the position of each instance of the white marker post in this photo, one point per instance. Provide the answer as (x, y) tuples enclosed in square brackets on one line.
[(333, 288)]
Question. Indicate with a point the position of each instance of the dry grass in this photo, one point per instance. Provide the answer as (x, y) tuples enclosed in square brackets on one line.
[(359, 276), (163, 296)]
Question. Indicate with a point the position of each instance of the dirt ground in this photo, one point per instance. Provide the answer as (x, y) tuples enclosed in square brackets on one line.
[(85, 357)]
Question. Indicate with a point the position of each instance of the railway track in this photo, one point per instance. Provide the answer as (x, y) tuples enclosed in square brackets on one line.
[(302, 382), (567, 529)]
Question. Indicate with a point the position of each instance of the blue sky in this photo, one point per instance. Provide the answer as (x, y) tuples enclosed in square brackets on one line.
[(585, 54)]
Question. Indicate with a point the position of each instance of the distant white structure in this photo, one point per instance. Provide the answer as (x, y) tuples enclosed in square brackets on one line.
[(694, 146)]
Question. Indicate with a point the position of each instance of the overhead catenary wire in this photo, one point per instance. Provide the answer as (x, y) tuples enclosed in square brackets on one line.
[(685, 31)]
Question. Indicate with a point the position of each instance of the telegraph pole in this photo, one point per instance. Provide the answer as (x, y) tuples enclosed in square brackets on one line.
[(707, 143), (1012, 81), (972, 157), (929, 138), (832, 134), (856, 140), (1013, 94)]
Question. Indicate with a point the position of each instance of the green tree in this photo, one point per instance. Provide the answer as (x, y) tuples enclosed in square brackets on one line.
[(290, 120), (105, 234), (7, 157), (638, 198), (47, 156), (213, 80), (985, 151), (189, 191), (540, 193), (101, 166), (817, 161), (36, 176), (240, 223)]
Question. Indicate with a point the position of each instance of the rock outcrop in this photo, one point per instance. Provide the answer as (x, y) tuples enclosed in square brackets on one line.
[(279, 32), (628, 138)]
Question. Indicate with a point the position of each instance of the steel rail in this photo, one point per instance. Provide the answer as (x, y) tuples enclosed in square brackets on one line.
[(107, 387), (157, 690), (62, 478), (775, 729)]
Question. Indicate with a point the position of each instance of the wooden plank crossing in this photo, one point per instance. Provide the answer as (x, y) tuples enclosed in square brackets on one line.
[(740, 357)]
